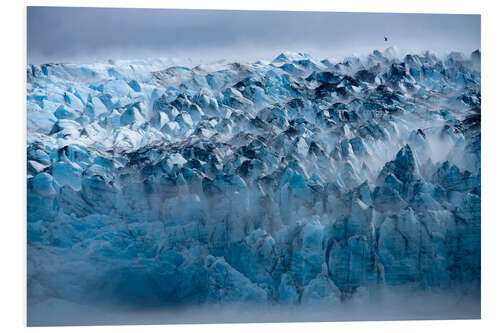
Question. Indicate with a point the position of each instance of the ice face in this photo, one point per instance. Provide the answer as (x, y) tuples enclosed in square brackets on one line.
[(292, 183)]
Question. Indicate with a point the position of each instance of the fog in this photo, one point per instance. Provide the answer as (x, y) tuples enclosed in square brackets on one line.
[(64, 34), (387, 303)]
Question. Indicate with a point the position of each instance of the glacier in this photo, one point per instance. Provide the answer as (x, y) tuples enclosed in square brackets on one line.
[(298, 184)]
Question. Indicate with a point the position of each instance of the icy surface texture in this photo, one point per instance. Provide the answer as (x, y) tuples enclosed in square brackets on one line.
[(286, 183)]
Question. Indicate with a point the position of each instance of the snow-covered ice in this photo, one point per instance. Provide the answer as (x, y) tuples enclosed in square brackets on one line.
[(298, 185)]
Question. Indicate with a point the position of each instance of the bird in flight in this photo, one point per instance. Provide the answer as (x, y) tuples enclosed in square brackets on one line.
[(385, 39)]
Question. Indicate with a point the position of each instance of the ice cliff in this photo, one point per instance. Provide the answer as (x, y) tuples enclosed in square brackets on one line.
[(291, 182)]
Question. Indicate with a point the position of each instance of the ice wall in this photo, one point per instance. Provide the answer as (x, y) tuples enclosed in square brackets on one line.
[(295, 182)]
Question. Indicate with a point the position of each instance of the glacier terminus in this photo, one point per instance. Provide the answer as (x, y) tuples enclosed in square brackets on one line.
[(292, 189)]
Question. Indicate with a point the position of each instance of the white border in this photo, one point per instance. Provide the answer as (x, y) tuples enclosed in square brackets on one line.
[(12, 160), (421, 6)]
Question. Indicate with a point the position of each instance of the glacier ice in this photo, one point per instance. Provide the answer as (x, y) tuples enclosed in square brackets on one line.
[(287, 184)]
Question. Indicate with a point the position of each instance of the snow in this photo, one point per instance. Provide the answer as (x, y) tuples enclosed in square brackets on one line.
[(300, 183)]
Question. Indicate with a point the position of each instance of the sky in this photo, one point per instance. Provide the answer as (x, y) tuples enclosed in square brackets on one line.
[(76, 34)]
